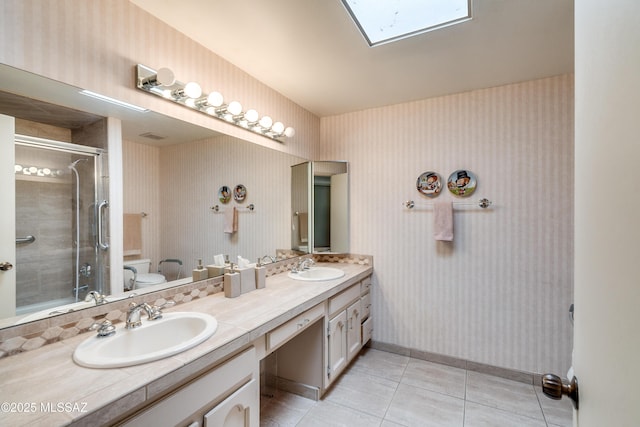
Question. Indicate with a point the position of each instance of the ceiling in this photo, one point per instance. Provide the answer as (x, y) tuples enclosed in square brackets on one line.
[(311, 51)]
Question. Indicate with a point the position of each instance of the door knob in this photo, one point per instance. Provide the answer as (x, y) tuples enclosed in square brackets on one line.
[(554, 388), (5, 266)]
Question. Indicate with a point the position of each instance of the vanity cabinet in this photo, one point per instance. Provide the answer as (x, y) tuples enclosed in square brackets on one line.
[(344, 329), (226, 396)]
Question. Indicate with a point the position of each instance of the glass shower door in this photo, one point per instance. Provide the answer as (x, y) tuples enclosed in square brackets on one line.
[(58, 259)]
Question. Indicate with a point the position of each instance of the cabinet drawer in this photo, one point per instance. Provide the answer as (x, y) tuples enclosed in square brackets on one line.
[(343, 299), (366, 305), (367, 330), (365, 285), (285, 332)]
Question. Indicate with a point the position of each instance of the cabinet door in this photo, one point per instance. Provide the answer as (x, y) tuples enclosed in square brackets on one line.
[(337, 343), (354, 331), (241, 409)]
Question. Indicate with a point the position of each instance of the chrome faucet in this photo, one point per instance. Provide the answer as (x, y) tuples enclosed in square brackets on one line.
[(268, 257), (303, 264), (97, 297), (153, 313)]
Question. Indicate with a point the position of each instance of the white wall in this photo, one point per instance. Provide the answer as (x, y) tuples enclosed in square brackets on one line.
[(500, 293)]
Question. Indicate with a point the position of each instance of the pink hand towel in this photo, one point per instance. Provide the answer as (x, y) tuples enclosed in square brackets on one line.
[(443, 221), (230, 220)]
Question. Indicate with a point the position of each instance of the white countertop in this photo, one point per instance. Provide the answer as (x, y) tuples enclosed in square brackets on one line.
[(45, 387)]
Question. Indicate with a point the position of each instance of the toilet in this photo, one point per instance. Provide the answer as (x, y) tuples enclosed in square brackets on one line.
[(143, 278)]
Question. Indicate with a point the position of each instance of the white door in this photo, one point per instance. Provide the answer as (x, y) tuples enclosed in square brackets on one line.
[(7, 218), (607, 212)]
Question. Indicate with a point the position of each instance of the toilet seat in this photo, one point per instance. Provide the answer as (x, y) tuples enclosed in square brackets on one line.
[(148, 279)]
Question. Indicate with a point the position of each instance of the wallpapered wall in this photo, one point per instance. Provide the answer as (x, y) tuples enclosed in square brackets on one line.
[(177, 185), (96, 44), (500, 293)]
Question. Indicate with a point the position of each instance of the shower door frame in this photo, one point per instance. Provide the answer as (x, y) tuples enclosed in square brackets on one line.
[(100, 255)]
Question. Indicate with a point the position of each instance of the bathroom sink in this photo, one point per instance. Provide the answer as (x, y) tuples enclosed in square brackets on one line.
[(317, 274), (154, 340)]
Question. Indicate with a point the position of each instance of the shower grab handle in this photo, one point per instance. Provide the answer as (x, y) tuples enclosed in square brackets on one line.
[(28, 239), (103, 204)]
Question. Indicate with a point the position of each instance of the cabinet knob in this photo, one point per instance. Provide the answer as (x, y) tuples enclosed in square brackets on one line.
[(5, 266), (554, 388)]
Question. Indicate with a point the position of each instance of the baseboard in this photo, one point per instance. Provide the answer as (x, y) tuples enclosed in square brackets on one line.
[(510, 374)]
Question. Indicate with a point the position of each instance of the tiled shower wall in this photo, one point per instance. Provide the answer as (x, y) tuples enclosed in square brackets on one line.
[(499, 293)]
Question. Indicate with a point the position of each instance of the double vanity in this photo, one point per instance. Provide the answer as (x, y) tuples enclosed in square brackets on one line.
[(200, 363)]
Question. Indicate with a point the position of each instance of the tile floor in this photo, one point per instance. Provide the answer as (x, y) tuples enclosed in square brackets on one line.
[(389, 390)]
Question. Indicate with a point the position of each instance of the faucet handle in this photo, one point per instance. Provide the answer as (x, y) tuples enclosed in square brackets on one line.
[(105, 328), (156, 312)]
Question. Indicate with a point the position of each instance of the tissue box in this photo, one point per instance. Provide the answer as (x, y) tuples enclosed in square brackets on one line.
[(215, 270), (247, 279)]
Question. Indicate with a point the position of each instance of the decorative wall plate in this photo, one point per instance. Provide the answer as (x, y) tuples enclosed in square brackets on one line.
[(462, 183), (239, 193), (429, 184), (224, 194)]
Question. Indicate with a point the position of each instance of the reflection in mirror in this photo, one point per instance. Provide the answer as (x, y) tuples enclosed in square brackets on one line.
[(174, 181), (320, 207), (176, 186)]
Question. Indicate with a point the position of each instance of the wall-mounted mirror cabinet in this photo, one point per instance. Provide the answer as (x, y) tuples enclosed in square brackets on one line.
[(320, 207)]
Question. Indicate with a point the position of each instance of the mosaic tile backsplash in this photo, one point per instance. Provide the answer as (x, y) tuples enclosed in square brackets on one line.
[(30, 336)]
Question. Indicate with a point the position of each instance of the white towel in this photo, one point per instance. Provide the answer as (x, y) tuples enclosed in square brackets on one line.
[(443, 221), (231, 220)]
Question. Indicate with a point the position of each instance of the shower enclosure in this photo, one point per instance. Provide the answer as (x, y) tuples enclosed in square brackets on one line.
[(60, 248)]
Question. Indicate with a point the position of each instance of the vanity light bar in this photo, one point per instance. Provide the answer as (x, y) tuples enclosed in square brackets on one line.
[(163, 83)]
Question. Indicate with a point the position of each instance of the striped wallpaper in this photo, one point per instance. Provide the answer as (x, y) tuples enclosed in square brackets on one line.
[(177, 185), (500, 293)]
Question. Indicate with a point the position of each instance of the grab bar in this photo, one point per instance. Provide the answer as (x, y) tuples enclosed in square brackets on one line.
[(101, 206), (28, 239)]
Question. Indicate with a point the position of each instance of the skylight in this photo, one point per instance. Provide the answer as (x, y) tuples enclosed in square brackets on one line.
[(390, 20)]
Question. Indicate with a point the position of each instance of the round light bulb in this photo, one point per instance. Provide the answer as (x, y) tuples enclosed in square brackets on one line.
[(165, 77), (167, 93), (234, 108), (215, 99), (46, 171), (277, 127), (266, 122), (211, 110), (251, 116), (228, 117), (192, 90), (18, 168), (33, 169), (190, 102), (289, 132)]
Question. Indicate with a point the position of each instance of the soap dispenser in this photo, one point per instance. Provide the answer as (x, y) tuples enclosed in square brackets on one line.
[(231, 282), (200, 273), (261, 275)]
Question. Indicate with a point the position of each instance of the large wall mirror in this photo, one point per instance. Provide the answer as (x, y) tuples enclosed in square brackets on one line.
[(172, 173)]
